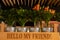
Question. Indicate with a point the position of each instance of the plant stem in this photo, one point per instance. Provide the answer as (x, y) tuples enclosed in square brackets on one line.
[(41, 25), (23, 25), (34, 23), (46, 23)]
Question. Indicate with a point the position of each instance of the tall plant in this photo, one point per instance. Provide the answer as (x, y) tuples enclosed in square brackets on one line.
[(47, 17), (33, 15), (10, 16), (48, 14), (40, 12), (22, 19)]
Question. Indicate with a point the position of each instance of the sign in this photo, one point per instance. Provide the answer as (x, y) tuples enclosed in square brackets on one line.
[(29, 36)]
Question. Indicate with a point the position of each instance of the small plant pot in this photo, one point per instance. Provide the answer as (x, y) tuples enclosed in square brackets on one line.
[(31, 29), (24, 29), (47, 29), (37, 29), (44, 29), (10, 29), (19, 29), (50, 29)]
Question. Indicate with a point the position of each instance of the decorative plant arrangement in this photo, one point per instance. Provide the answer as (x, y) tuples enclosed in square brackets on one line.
[(9, 16), (22, 19), (34, 17), (37, 14), (46, 16)]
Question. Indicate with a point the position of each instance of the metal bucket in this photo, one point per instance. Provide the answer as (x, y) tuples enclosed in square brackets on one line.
[(47, 29), (31, 29), (37, 29), (24, 29), (19, 29), (10, 29)]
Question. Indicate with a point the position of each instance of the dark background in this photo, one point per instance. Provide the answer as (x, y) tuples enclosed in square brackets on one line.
[(57, 8)]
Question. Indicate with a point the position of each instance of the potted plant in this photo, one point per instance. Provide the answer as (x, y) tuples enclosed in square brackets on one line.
[(10, 18), (33, 16), (46, 15), (22, 19), (40, 17), (37, 10)]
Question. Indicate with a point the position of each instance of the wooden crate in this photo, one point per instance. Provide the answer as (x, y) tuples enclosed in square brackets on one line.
[(29, 35)]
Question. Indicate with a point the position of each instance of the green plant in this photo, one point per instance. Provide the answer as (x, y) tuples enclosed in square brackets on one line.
[(28, 15), (46, 16), (40, 12), (33, 16), (57, 16), (21, 16), (10, 16), (22, 19)]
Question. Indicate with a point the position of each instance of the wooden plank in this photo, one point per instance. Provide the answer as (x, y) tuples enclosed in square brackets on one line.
[(0, 27), (29, 36)]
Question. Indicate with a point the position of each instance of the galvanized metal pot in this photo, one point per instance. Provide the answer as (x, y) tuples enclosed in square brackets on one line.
[(10, 29)]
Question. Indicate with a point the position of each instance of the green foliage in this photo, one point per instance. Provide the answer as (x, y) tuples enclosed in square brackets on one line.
[(46, 16), (21, 16), (28, 15), (57, 16), (1, 17), (22, 19), (10, 16)]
